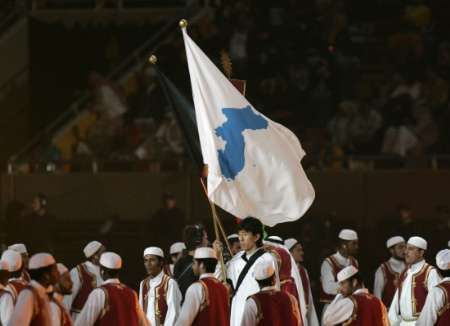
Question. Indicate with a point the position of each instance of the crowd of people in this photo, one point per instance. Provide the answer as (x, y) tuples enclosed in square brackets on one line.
[(249, 279)]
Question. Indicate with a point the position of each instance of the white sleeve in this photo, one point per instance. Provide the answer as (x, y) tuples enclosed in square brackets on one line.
[(23, 311), (55, 314), (6, 308), (311, 313), (250, 313), (191, 305), (92, 308), (141, 295), (435, 301), (173, 303), (142, 318), (378, 285), (330, 286), (433, 279), (68, 299), (339, 311), (394, 311), (300, 290)]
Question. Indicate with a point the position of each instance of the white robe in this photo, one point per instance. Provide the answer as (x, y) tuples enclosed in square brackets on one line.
[(173, 298), (6, 306), (378, 287), (74, 275), (95, 305), (249, 285), (405, 308), (311, 314), (435, 301), (23, 311)]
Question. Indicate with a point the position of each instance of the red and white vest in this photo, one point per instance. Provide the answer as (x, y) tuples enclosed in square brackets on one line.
[(41, 309), (160, 298), (368, 311), (88, 282), (336, 268), (16, 286), (215, 309), (276, 308), (419, 289), (391, 283), (444, 313), (120, 306)]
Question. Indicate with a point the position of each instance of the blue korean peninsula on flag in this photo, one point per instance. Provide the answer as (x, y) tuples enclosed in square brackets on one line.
[(254, 164)]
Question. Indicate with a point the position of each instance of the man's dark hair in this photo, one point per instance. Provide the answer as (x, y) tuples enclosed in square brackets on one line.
[(266, 282), (16, 274), (233, 241), (110, 273), (253, 225), (445, 273), (209, 263), (193, 235), (38, 274), (357, 277)]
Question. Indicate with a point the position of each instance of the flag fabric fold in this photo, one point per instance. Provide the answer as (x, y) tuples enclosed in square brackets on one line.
[(254, 164)]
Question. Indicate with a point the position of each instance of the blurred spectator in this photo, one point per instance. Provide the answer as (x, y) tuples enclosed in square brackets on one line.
[(169, 135), (108, 100), (340, 126), (365, 125)]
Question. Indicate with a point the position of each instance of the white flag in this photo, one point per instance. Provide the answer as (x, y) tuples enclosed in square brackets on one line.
[(254, 164)]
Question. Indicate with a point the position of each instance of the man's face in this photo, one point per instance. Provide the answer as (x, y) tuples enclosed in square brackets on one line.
[(413, 254), (96, 257), (298, 253), (248, 240), (398, 251), (175, 257), (346, 288), (54, 275), (205, 241), (352, 248), (153, 264), (65, 284), (196, 268), (25, 260), (36, 204), (171, 203), (235, 247)]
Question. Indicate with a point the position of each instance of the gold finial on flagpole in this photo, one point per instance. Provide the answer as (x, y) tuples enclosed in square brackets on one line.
[(153, 59), (183, 23)]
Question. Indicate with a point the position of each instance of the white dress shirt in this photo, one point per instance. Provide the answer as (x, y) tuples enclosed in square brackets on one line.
[(96, 303), (173, 298), (378, 287), (340, 309), (6, 306), (56, 310), (249, 285), (75, 276), (194, 298), (250, 315), (23, 311), (403, 314), (434, 303)]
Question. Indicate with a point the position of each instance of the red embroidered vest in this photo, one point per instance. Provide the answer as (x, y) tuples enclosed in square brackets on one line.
[(368, 311), (160, 298), (419, 288), (287, 282), (120, 306), (215, 310), (16, 287), (276, 308), (391, 282), (444, 313), (336, 267), (65, 317), (88, 282), (41, 310), (305, 283)]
